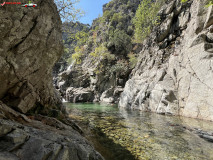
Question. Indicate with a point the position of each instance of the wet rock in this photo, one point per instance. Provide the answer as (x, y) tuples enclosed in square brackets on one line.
[(207, 137)]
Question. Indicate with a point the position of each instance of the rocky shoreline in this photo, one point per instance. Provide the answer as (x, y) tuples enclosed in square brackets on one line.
[(42, 138)]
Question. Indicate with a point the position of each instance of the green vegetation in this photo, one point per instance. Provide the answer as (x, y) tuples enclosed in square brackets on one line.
[(117, 17), (78, 55), (102, 52), (119, 41), (132, 60), (120, 68), (81, 37), (145, 18), (210, 2)]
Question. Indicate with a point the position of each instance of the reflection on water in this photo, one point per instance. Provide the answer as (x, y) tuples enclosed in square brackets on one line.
[(128, 135)]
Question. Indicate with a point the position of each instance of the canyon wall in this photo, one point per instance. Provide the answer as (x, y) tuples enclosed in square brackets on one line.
[(30, 44), (174, 71)]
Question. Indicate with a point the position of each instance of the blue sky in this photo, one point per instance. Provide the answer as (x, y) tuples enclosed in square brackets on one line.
[(92, 9)]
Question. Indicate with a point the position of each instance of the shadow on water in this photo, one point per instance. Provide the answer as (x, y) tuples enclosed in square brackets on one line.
[(127, 135), (102, 143), (107, 148)]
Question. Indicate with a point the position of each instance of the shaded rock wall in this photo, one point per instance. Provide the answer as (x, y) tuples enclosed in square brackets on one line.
[(30, 44), (174, 73), (27, 142)]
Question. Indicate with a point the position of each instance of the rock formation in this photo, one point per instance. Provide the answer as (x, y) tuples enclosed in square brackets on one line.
[(174, 72), (30, 44), (102, 79)]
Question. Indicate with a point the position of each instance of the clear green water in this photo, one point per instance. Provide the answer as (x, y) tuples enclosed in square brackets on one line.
[(120, 134)]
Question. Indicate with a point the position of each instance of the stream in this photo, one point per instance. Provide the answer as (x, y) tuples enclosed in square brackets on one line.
[(120, 134)]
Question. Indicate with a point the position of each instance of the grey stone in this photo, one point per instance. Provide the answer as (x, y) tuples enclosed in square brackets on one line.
[(165, 28), (4, 129), (79, 95), (8, 156), (181, 82), (44, 142), (30, 45)]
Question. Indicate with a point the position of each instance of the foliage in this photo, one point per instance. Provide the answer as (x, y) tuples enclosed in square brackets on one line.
[(120, 40), (117, 17), (110, 4), (102, 52), (78, 55), (107, 14), (81, 37), (67, 9), (121, 67), (210, 2), (73, 32), (145, 18), (132, 60)]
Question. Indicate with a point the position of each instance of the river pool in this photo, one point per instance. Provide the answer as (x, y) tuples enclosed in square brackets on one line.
[(120, 134)]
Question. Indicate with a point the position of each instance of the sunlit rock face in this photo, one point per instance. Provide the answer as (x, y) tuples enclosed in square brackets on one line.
[(174, 72), (30, 44)]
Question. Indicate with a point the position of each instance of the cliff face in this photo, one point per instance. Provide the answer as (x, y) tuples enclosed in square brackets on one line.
[(30, 44), (103, 66), (69, 31), (174, 73)]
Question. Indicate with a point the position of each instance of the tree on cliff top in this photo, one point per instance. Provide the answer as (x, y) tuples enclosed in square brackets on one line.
[(145, 18), (67, 9)]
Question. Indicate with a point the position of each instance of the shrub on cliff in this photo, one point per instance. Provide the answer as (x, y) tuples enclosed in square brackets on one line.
[(120, 68), (145, 18), (132, 60), (120, 42), (101, 52), (78, 55)]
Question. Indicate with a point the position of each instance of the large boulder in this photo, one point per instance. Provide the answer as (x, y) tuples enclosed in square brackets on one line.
[(30, 44), (81, 94), (27, 142)]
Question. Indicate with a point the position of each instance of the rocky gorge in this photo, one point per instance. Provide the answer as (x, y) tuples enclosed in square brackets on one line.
[(173, 74), (169, 73), (173, 71)]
